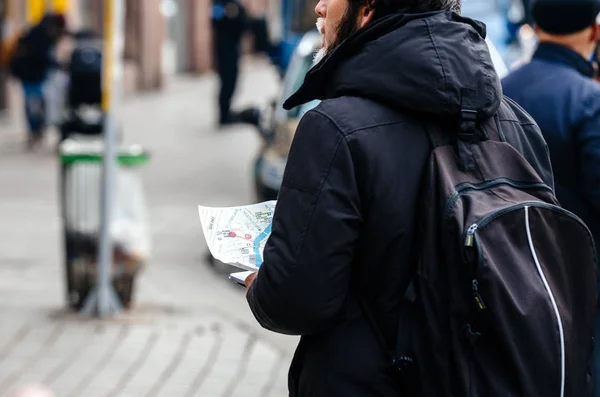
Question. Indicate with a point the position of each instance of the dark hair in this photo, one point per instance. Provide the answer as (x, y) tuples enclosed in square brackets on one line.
[(438, 5), (385, 7), (388, 7), (55, 20)]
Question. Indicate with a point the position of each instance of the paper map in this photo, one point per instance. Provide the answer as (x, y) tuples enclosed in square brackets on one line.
[(237, 235)]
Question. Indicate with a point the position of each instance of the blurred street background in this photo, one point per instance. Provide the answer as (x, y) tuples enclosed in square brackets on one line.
[(191, 164), (188, 331)]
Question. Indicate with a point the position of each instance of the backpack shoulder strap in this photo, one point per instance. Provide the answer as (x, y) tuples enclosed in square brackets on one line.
[(463, 135), (491, 129), (400, 358), (470, 130), (467, 122)]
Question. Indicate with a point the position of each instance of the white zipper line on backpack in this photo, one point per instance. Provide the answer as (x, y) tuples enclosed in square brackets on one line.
[(555, 306)]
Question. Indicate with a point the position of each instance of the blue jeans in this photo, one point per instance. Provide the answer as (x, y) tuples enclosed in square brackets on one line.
[(35, 107)]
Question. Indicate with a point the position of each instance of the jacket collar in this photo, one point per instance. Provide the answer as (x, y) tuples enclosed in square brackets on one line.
[(316, 84), (560, 54), (410, 62)]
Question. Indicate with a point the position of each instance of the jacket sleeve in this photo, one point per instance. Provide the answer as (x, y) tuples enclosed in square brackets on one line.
[(304, 279), (588, 144)]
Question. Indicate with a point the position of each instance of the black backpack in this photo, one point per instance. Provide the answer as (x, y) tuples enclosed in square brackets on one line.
[(86, 60), (21, 59), (31, 57), (504, 298), (85, 72)]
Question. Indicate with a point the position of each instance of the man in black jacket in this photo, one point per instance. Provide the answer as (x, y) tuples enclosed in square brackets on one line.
[(343, 225)]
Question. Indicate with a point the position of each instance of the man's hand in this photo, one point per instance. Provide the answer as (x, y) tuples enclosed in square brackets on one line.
[(250, 279)]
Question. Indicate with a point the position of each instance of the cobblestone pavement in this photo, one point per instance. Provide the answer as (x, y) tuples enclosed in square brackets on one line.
[(190, 332), (169, 354)]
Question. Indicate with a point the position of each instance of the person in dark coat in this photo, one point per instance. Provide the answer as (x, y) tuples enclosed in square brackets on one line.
[(558, 90), (229, 21), (31, 63), (343, 224)]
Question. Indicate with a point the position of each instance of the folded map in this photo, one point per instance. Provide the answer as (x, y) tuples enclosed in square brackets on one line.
[(237, 235)]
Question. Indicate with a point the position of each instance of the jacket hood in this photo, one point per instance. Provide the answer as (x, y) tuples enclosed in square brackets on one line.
[(411, 62)]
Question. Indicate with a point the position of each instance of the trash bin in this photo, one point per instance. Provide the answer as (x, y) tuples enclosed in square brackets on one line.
[(80, 190)]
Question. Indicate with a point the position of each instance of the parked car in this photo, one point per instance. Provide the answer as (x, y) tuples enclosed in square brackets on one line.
[(277, 125)]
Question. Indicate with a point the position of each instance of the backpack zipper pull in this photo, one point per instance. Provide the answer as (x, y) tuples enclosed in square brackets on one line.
[(477, 296), (470, 235)]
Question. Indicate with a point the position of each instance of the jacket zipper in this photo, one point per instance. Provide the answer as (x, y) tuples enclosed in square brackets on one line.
[(463, 187)]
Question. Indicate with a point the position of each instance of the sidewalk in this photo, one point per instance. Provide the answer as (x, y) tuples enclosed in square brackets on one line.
[(152, 353), (190, 333)]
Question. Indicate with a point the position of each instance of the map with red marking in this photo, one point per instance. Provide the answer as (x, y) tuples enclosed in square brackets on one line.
[(238, 235)]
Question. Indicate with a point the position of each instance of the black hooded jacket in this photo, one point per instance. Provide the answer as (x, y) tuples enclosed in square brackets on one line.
[(343, 225)]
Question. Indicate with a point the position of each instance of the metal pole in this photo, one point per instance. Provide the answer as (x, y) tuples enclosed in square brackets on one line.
[(103, 301)]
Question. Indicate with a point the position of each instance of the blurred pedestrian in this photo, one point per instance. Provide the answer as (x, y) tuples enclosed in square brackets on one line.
[(395, 78), (31, 63), (557, 88), (230, 21)]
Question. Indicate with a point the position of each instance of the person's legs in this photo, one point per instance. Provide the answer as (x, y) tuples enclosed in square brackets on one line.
[(258, 27), (34, 110), (262, 42), (228, 75), (235, 71), (225, 95), (227, 54)]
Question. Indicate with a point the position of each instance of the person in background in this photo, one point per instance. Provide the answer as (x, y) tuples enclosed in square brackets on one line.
[(229, 21), (558, 89), (31, 62)]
